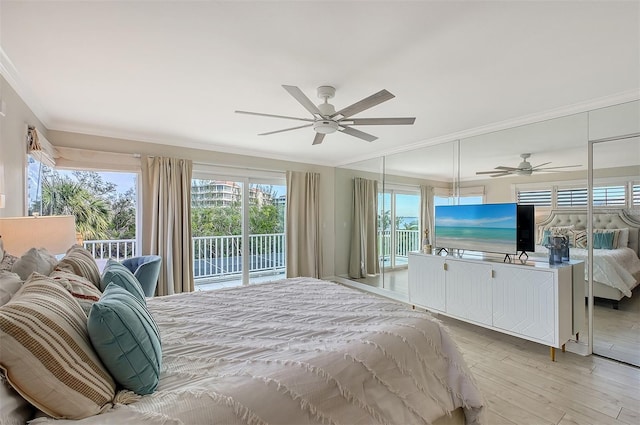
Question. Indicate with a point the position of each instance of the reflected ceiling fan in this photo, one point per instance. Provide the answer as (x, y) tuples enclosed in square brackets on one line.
[(326, 120), (524, 168)]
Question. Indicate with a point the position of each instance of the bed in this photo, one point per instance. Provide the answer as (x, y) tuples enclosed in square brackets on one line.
[(299, 351), (616, 271)]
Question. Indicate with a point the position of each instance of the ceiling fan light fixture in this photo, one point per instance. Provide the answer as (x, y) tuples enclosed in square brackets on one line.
[(325, 126)]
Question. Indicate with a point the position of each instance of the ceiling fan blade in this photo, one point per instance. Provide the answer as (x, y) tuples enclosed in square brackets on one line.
[(379, 121), (303, 99), (501, 167), (501, 174), (540, 165), (555, 168), (286, 129), (274, 116), (492, 172), (357, 133), (318, 139), (364, 104)]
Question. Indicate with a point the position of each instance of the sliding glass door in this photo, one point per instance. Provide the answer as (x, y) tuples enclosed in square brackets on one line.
[(238, 230), (399, 222)]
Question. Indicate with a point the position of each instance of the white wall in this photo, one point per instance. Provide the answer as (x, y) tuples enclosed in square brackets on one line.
[(13, 148)]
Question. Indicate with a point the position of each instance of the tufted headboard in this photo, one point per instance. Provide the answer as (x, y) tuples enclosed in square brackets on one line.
[(609, 219)]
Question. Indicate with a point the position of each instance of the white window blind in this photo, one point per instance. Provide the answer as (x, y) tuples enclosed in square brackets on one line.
[(572, 197), (539, 198), (609, 196), (636, 194)]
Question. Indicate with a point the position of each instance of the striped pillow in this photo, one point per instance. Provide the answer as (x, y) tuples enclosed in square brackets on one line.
[(47, 355), (80, 261), (79, 287)]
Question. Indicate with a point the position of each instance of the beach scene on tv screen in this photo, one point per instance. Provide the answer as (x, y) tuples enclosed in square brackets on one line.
[(486, 227)]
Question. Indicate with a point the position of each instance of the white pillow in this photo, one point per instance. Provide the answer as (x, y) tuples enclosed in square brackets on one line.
[(1, 248), (35, 260), (9, 285), (623, 239)]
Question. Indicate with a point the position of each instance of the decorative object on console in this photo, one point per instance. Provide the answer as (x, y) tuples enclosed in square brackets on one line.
[(426, 246), (54, 233)]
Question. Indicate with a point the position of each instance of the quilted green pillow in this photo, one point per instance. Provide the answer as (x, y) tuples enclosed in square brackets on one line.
[(121, 276), (127, 339)]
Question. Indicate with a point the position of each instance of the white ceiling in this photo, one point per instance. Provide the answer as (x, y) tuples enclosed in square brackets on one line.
[(174, 72)]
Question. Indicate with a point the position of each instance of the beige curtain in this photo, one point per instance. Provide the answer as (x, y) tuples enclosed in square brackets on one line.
[(426, 208), (167, 221), (304, 250), (363, 256)]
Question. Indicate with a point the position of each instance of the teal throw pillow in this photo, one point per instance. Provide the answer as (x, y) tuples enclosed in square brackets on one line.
[(121, 276), (127, 339), (603, 240), (546, 234)]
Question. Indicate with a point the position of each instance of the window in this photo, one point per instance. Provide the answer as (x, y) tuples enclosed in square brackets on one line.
[(636, 194), (104, 205), (572, 197), (609, 196), (539, 198)]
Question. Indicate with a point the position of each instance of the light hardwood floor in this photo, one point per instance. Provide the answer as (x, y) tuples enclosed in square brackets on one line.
[(522, 386)]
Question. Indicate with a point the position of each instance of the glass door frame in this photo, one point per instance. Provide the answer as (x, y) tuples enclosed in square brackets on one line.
[(394, 190), (590, 210)]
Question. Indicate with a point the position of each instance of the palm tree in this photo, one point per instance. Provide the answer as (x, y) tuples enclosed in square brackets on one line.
[(62, 196)]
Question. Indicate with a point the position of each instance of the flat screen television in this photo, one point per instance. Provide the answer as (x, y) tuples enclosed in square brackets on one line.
[(526, 228), (482, 227)]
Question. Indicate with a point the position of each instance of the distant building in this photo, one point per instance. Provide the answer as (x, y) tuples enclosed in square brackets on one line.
[(219, 193)]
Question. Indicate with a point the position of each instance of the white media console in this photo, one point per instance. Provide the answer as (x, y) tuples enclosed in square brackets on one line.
[(531, 300)]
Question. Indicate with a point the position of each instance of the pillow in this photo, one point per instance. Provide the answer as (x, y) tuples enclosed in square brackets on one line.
[(121, 276), (14, 410), (80, 261), (603, 240), (127, 339), (565, 231), (580, 239), (80, 288), (614, 232), (9, 285), (47, 354), (1, 248), (35, 260), (623, 240), (7, 262)]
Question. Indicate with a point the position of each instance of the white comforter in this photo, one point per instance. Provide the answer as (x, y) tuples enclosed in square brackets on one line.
[(299, 351), (614, 267)]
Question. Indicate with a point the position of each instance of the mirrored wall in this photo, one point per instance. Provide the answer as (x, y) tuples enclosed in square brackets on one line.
[(487, 169)]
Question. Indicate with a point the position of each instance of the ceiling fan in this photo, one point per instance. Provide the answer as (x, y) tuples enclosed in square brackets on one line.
[(524, 168), (326, 120)]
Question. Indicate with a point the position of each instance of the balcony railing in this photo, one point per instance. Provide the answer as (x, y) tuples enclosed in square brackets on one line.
[(406, 241), (214, 257), (119, 249)]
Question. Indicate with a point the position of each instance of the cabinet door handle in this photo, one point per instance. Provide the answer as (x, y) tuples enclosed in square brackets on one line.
[(492, 274), (444, 266)]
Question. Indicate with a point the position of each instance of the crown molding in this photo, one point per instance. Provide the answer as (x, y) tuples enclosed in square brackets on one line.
[(576, 108), (10, 73)]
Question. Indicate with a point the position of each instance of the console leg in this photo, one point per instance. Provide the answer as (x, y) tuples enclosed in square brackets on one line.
[(577, 336), (553, 353), (563, 347)]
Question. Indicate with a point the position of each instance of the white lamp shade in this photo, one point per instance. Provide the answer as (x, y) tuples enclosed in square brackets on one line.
[(54, 233)]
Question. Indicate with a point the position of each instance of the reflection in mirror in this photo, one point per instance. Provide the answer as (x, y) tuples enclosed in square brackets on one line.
[(400, 228), (616, 226)]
